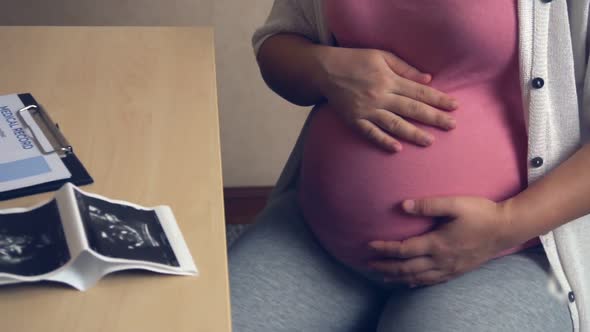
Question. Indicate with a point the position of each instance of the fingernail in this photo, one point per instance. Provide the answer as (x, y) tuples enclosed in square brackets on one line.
[(397, 147), (409, 205), (427, 140), (451, 124), (454, 104)]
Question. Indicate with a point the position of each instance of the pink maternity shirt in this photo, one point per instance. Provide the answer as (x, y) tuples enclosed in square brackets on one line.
[(350, 190)]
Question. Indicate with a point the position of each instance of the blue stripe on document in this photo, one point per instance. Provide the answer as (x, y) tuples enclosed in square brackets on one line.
[(23, 168)]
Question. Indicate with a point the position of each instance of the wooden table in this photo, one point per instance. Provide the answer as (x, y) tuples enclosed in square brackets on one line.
[(139, 106)]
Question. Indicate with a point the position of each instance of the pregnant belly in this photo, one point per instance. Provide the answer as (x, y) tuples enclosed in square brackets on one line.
[(350, 191)]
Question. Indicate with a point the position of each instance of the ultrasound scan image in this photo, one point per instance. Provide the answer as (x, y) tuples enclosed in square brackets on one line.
[(121, 231), (32, 243)]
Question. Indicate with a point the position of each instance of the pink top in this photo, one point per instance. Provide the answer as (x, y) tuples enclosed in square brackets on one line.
[(350, 190)]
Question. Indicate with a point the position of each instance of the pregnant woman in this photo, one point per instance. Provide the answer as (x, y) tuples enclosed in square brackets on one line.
[(349, 188), (445, 156)]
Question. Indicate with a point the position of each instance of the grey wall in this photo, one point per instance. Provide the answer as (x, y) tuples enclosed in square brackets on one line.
[(258, 129), (106, 12)]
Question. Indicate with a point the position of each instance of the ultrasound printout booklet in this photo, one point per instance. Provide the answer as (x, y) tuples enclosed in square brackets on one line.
[(76, 238)]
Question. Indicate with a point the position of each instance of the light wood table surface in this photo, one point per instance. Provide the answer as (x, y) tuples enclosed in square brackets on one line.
[(139, 105)]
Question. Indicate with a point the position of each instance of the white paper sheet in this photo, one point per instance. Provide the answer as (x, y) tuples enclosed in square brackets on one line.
[(21, 162)]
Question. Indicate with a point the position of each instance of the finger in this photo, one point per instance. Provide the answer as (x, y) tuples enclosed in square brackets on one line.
[(403, 69), (433, 207), (413, 247), (419, 111), (378, 136), (403, 268), (428, 278), (400, 128), (426, 95)]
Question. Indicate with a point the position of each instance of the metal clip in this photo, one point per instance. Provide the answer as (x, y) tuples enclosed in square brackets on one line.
[(49, 128)]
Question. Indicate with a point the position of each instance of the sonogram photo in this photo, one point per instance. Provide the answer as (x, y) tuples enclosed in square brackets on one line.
[(32, 243), (121, 231)]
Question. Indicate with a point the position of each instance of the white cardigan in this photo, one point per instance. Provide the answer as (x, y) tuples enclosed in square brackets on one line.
[(553, 44)]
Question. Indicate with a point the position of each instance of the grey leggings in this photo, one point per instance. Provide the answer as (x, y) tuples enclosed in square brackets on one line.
[(282, 280)]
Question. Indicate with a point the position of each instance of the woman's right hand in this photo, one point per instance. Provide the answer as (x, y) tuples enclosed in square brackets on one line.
[(375, 92)]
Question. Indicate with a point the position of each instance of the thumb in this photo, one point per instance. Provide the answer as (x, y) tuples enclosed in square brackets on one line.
[(432, 207), (404, 70)]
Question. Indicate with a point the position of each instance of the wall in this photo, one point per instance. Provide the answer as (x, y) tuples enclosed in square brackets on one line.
[(106, 12), (258, 129)]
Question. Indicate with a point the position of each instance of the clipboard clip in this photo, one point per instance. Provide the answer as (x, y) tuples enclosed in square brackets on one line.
[(50, 129)]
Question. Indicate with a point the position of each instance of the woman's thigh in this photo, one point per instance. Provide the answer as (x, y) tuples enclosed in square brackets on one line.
[(505, 294), (282, 280)]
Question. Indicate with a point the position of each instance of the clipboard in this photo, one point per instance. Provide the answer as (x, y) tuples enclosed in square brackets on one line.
[(60, 145)]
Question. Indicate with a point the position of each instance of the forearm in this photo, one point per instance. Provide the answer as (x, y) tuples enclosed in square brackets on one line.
[(559, 197), (291, 67)]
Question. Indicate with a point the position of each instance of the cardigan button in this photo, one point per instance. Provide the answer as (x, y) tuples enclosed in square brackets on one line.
[(537, 162), (538, 83), (571, 297)]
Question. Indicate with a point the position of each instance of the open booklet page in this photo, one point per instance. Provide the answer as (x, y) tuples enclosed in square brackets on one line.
[(32, 243), (21, 162), (122, 231)]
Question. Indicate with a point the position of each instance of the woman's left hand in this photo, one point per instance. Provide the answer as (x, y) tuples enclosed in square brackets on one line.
[(474, 231)]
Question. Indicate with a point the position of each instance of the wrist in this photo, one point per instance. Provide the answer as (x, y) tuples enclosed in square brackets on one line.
[(512, 232), (520, 225), (323, 58)]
